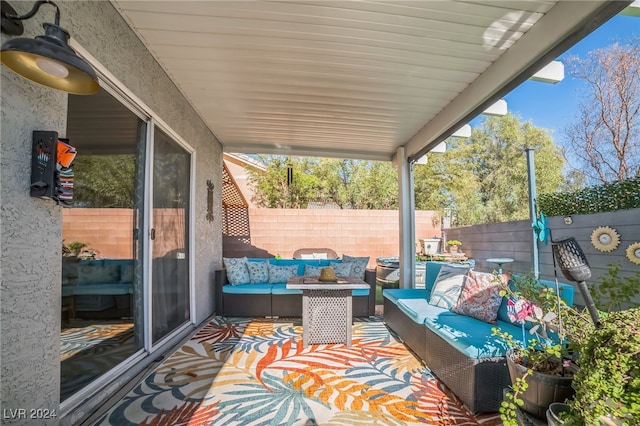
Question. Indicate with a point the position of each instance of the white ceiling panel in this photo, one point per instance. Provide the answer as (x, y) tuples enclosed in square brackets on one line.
[(353, 79)]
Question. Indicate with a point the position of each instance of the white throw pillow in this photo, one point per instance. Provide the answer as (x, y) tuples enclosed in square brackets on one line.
[(448, 286)]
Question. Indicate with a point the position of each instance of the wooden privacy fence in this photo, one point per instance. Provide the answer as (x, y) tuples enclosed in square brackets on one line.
[(515, 240)]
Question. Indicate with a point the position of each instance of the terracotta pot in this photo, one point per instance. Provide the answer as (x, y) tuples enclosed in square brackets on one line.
[(544, 389)]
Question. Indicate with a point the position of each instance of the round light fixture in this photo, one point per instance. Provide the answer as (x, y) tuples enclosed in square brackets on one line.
[(48, 59)]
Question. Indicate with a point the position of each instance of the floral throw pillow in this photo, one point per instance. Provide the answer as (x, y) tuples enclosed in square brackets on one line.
[(258, 272), (281, 273), (480, 296), (448, 286), (237, 271), (358, 265)]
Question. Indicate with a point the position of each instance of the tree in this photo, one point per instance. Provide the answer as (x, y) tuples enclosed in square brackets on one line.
[(484, 178), (605, 136), (349, 184), (104, 181)]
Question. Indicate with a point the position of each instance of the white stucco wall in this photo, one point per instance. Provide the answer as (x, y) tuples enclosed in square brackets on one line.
[(30, 285)]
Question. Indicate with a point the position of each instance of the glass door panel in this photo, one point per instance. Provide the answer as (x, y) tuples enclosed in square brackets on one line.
[(101, 264), (170, 306)]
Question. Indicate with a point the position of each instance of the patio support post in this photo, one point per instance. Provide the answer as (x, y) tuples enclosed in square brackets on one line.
[(531, 174), (406, 217)]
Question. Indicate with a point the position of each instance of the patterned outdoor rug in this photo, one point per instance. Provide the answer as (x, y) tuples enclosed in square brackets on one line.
[(242, 371)]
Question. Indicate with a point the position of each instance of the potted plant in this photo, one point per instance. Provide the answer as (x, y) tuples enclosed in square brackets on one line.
[(453, 245), (607, 385), (542, 362)]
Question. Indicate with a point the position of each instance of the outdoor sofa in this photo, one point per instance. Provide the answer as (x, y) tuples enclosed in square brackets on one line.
[(460, 350), (268, 296)]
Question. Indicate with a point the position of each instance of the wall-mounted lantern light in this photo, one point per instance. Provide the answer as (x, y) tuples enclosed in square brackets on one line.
[(47, 59)]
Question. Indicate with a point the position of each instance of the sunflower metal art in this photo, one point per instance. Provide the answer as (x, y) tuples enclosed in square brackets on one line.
[(605, 239), (633, 253)]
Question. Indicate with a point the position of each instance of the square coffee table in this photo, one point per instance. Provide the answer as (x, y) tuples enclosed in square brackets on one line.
[(326, 308)]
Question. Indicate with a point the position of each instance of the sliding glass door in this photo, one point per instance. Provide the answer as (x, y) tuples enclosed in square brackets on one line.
[(170, 294)]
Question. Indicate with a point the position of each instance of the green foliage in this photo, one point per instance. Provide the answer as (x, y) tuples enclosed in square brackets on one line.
[(104, 181), (613, 292), (484, 178), (608, 382), (543, 352), (603, 198), (76, 246), (349, 184), (453, 243)]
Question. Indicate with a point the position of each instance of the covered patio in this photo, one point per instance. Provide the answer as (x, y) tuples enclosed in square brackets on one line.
[(384, 81)]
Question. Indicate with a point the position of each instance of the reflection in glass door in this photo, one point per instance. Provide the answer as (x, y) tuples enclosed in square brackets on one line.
[(101, 264), (170, 236)]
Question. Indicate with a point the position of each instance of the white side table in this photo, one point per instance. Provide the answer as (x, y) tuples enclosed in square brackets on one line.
[(500, 261)]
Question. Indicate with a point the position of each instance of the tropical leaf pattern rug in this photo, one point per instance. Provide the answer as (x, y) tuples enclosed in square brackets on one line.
[(242, 371)]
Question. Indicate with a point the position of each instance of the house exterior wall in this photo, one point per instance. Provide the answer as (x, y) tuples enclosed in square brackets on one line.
[(30, 287)]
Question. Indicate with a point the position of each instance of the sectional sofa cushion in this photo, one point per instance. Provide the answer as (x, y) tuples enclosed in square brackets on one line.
[(395, 294), (237, 270), (480, 296), (448, 285), (342, 269), (261, 288), (98, 272), (312, 271), (358, 265), (258, 272), (281, 274), (471, 337), (420, 309)]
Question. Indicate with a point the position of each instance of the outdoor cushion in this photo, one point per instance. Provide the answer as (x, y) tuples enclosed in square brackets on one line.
[(342, 269), (480, 297), (98, 272), (281, 274), (359, 265), (470, 336), (237, 270), (258, 272), (262, 288), (281, 288), (420, 309), (448, 286), (312, 271), (301, 263), (360, 292), (395, 294)]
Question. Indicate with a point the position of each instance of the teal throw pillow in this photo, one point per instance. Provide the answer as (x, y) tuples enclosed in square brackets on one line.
[(342, 269), (358, 265), (258, 272), (281, 274), (237, 270), (312, 271)]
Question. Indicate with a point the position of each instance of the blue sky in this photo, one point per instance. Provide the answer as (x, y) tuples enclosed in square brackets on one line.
[(554, 106)]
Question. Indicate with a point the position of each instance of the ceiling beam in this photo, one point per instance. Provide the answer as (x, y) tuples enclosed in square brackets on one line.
[(563, 26)]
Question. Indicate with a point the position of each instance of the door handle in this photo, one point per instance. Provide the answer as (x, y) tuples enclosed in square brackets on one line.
[(153, 233)]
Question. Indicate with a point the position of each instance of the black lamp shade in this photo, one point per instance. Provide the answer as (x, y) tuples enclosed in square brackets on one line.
[(50, 61)]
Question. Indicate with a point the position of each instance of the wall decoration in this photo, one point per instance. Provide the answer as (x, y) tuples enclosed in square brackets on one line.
[(633, 253), (210, 187), (605, 239)]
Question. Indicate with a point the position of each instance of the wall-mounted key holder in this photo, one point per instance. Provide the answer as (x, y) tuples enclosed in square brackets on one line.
[(51, 171), (43, 163)]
